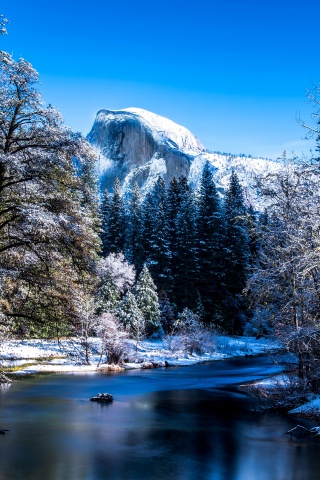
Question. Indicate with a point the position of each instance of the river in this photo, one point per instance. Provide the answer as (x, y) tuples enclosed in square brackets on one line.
[(186, 423)]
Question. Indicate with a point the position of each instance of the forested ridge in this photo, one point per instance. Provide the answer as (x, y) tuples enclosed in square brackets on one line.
[(195, 244)]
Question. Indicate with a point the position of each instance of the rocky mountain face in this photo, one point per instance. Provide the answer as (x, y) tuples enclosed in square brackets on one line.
[(137, 146)]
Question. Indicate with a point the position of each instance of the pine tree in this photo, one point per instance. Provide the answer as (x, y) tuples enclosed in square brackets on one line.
[(115, 277), (237, 252), (148, 225), (210, 231), (105, 214), (167, 317), (185, 289), (134, 229), (107, 298), (146, 296), (114, 224), (131, 317), (177, 191), (172, 209), (156, 237)]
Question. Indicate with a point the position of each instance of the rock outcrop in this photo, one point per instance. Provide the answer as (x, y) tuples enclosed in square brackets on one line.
[(137, 146), (102, 398)]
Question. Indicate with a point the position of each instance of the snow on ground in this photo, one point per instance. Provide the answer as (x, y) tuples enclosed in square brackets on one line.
[(312, 407), (36, 356)]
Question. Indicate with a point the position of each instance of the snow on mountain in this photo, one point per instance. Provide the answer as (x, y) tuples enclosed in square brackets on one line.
[(170, 132), (247, 169), (137, 146)]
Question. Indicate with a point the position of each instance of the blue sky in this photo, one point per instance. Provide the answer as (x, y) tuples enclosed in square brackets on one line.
[(234, 72)]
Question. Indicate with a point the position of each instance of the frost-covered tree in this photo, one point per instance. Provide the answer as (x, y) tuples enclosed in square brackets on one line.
[(115, 276), (210, 253), (167, 316), (80, 345), (134, 229), (119, 270), (285, 283), (156, 234), (176, 192), (113, 222), (146, 296), (237, 238), (48, 240), (112, 336), (105, 214), (194, 336), (186, 250), (131, 317), (237, 253)]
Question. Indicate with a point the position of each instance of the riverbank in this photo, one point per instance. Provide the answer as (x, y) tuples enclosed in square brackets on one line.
[(281, 392), (26, 357)]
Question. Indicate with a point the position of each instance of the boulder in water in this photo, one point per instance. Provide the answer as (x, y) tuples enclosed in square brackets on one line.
[(102, 398)]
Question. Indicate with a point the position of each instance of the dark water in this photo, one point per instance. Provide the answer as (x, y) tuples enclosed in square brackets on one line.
[(173, 424)]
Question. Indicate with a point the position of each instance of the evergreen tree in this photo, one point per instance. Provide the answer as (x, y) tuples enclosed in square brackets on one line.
[(148, 225), (185, 288), (156, 237), (114, 224), (177, 191), (172, 209), (107, 297), (134, 229), (105, 214), (237, 251), (147, 300), (210, 231), (115, 276), (131, 317), (167, 317)]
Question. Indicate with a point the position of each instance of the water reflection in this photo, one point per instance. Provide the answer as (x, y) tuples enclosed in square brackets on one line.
[(164, 424)]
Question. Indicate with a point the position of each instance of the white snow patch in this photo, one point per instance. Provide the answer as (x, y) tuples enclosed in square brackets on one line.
[(148, 351), (311, 407)]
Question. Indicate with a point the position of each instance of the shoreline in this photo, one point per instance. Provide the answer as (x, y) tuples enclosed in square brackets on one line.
[(28, 358), (34, 356)]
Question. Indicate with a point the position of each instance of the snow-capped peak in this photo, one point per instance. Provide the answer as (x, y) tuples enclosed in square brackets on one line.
[(136, 145), (176, 135)]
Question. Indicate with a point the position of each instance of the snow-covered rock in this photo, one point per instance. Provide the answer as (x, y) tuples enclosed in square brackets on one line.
[(136, 145)]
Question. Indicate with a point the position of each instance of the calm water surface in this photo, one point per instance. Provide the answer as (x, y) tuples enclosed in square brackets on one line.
[(171, 424)]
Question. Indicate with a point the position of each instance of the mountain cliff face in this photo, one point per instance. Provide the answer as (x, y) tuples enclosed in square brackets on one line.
[(137, 145)]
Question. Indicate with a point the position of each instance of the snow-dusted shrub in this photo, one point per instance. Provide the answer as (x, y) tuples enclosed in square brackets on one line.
[(195, 337), (173, 342), (112, 337), (283, 392)]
